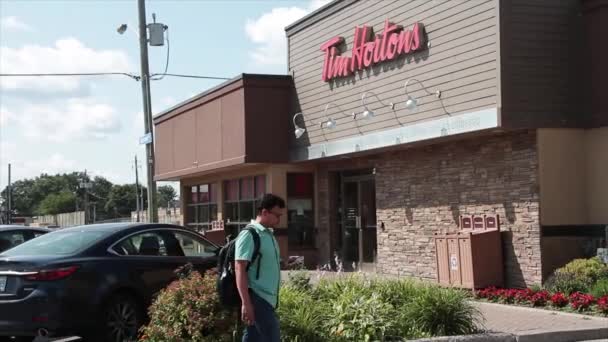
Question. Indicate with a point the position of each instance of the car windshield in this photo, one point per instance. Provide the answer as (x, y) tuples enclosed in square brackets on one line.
[(59, 243)]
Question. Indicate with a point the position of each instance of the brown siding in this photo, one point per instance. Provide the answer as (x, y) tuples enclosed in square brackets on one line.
[(184, 135), (221, 128), (263, 102), (208, 128), (232, 111), (462, 62), (163, 132), (541, 63)]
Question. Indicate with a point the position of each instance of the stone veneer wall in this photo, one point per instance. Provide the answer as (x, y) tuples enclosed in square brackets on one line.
[(421, 191)]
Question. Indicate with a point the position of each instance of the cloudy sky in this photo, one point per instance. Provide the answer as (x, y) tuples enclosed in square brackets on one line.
[(64, 124)]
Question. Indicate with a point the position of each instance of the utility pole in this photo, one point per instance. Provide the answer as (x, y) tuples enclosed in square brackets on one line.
[(145, 87), (85, 184), (86, 199), (137, 189), (9, 195)]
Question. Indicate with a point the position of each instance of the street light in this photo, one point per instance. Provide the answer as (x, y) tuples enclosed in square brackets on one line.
[(156, 38), (121, 29)]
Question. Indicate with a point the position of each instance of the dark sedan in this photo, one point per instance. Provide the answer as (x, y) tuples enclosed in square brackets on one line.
[(94, 281), (13, 235)]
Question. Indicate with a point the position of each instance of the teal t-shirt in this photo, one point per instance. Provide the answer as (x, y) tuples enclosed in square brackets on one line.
[(267, 286)]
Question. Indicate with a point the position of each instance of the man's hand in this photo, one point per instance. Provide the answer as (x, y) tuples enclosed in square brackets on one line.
[(248, 313)]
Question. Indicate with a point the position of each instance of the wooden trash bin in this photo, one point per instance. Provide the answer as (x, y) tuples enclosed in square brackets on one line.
[(472, 257)]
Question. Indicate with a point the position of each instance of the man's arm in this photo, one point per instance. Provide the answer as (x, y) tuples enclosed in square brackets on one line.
[(242, 284), (242, 257)]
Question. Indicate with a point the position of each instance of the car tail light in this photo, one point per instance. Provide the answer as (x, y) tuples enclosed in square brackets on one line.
[(52, 274)]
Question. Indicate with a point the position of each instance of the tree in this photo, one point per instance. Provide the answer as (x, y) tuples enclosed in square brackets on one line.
[(121, 200), (99, 194), (54, 204), (165, 194), (28, 194)]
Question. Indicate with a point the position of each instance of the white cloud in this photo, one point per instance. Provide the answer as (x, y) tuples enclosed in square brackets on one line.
[(67, 55), (23, 167), (73, 119), (268, 32), (5, 116), (14, 24)]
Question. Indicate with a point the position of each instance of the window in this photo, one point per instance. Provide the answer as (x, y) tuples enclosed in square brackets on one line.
[(241, 197), (151, 243), (300, 212), (202, 206), (194, 247), (67, 242)]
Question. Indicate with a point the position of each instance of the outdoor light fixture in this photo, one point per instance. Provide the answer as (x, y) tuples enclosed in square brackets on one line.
[(367, 113), (412, 103), (331, 123), (299, 130), (122, 29)]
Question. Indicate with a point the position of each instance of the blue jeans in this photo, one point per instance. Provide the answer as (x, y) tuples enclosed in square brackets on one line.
[(266, 327)]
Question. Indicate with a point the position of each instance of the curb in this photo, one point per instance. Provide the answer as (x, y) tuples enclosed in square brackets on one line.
[(565, 336), (553, 336), (547, 311), (500, 337)]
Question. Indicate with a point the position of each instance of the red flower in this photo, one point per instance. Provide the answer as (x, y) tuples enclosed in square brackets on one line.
[(559, 300), (540, 298), (602, 305), (580, 301), (524, 296)]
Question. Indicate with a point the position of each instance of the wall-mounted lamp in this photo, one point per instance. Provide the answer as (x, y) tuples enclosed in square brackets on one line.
[(367, 113), (412, 103), (331, 123), (298, 130)]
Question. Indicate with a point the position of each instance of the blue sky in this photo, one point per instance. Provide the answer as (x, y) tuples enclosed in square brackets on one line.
[(64, 124)]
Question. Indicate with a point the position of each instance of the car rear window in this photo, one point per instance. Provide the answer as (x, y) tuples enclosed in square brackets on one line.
[(59, 243)]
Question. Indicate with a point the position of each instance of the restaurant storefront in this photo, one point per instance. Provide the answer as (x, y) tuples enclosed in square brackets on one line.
[(396, 119)]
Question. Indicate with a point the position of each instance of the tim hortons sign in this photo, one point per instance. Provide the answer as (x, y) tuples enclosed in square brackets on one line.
[(368, 50)]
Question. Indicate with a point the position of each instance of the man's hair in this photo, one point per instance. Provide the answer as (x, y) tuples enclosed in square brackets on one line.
[(270, 201)]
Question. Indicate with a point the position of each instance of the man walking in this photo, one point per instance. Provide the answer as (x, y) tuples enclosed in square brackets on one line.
[(259, 292)]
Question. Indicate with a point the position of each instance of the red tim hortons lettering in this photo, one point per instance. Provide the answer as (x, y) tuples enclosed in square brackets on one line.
[(366, 52), (330, 50), (357, 54)]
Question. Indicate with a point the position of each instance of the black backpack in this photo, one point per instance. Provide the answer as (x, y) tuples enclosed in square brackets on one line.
[(226, 278)]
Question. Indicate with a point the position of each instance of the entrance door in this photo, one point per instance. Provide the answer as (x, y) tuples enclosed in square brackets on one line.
[(359, 222)]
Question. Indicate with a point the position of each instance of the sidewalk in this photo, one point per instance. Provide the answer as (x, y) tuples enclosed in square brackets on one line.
[(529, 324)]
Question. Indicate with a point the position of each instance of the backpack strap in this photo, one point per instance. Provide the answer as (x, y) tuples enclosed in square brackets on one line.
[(256, 250)]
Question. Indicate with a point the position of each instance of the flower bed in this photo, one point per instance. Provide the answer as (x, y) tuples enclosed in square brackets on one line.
[(576, 302)]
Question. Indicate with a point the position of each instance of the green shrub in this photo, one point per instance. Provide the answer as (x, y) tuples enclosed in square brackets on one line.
[(361, 318), (398, 292), (443, 312), (299, 280), (189, 310), (600, 289), (300, 316), (590, 270), (567, 283), (579, 275)]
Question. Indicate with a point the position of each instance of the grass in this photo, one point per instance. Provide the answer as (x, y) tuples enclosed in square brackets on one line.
[(360, 308)]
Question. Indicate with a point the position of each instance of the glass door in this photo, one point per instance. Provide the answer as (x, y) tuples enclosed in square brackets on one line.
[(359, 245)]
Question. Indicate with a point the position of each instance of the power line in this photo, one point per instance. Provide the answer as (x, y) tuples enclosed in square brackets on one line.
[(135, 77), (194, 76)]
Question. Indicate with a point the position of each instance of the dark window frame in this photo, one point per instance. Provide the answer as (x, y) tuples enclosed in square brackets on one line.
[(301, 237), (234, 227), (194, 208)]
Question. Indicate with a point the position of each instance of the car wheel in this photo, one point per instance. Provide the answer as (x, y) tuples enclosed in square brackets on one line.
[(122, 318)]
